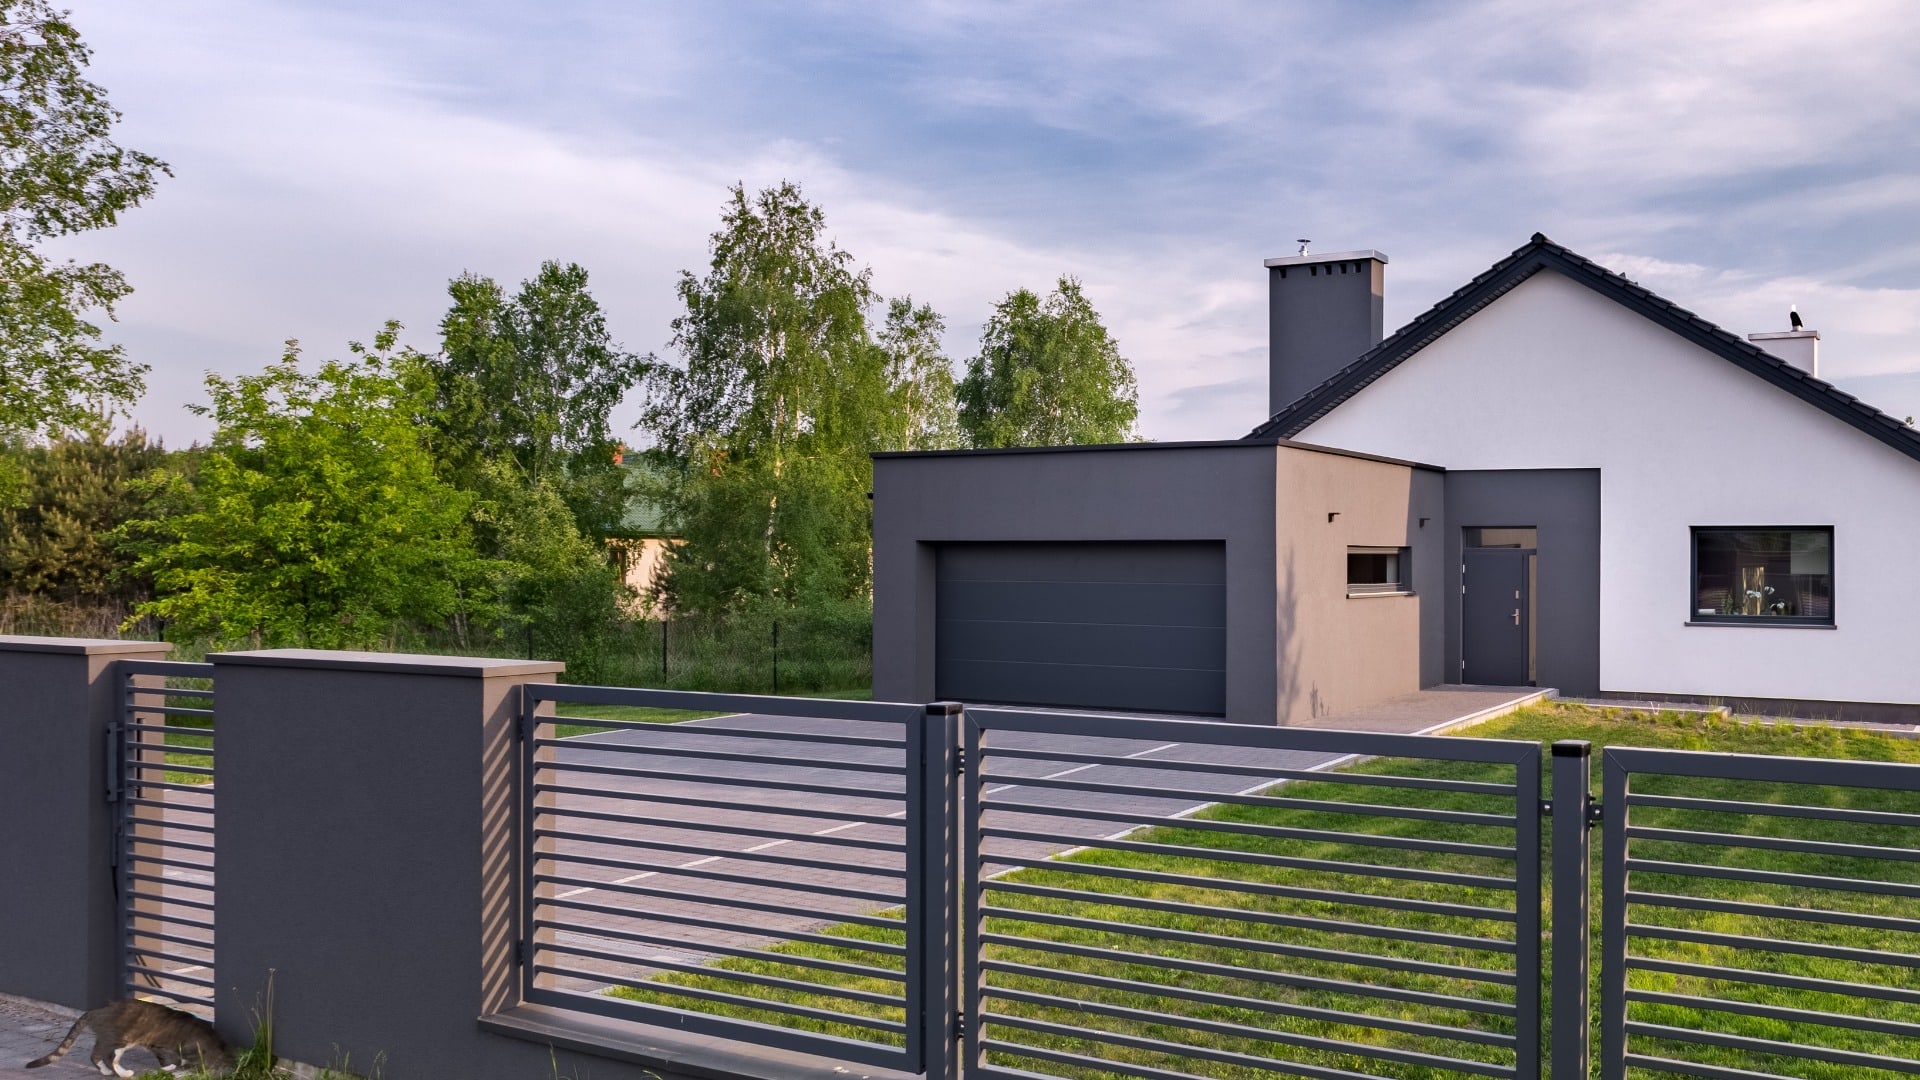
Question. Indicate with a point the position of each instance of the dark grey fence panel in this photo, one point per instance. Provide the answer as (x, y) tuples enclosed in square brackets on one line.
[(160, 777), (1169, 899), (1757, 916), (763, 875)]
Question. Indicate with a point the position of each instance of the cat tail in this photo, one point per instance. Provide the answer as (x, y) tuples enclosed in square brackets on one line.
[(60, 1051)]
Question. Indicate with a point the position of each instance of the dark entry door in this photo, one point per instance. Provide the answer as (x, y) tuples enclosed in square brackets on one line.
[(1493, 619)]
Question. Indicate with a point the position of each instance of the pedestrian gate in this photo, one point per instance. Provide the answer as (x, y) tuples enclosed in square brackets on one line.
[(160, 771)]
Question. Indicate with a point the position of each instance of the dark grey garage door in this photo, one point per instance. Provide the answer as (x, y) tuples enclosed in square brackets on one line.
[(1091, 626)]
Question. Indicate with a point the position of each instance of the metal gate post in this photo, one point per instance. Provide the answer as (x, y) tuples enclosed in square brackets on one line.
[(1613, 918), (933, 881), (1572, 852)]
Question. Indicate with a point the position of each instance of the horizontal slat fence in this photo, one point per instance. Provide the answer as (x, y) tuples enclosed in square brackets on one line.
[(1759, 917), (745, 875), (1165, 899)]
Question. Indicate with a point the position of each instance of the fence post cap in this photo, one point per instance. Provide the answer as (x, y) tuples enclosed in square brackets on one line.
[(944, 708), (1572, 748), (397, 663), (78, 646)]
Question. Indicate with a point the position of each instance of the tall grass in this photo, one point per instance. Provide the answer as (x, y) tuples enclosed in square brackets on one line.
[(32, 615)]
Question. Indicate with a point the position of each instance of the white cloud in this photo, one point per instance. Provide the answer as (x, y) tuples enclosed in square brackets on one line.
[(335, 169)]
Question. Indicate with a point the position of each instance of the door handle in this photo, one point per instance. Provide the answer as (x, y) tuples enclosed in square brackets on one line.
[(1516, 616)]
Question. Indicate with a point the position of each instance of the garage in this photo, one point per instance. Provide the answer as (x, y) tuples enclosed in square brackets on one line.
[(1137, 625)]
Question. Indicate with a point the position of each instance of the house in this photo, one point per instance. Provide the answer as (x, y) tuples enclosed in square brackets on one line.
[(639, 542), (1553, 477)]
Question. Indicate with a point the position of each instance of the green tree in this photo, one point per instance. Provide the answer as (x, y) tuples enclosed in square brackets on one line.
[(317, 518), (56, 534), (60, 173), (771, 417), (921, 414), (532, 379), (545, 575), (1047, 374)]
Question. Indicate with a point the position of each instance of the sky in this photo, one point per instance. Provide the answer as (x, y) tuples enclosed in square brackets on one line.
[(335, 162)]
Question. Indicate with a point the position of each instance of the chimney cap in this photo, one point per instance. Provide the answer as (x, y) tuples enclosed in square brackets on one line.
[(1326, 257)]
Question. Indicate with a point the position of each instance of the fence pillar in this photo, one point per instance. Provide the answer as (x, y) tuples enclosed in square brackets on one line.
[(933, 871), (369, 849), (58, 940), (1572, 851)]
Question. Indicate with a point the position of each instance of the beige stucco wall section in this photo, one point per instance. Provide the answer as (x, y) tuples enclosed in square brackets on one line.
[(1334, 652), (1554, 375)]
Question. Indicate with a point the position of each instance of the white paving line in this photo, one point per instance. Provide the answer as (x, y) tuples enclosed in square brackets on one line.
[(1083, 768)]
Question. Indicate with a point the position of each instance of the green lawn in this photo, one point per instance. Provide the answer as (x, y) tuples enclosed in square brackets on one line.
[(1429, 997)]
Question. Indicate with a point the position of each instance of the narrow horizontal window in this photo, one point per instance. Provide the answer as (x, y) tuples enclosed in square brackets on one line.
[(1762, 576), (1377, 571)]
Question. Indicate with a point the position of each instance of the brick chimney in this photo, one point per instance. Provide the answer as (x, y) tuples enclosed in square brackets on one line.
[(1323, 311)]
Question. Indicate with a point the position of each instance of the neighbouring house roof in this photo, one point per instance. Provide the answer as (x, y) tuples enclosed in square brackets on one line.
[(644, 516), (1543, 254)]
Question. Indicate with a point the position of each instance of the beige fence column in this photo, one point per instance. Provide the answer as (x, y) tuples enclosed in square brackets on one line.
[(57, 911)]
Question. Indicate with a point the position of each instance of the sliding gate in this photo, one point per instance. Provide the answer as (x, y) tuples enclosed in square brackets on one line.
[(1004, 893), (160, 780)]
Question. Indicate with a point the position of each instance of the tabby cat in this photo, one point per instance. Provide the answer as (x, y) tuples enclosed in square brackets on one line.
[(176, 1038)]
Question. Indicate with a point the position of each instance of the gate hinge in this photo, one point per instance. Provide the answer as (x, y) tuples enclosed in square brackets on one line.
[(959, 1025), (119, 839), (1546, 807), (520, 953), (1596, 813), (959, 759)]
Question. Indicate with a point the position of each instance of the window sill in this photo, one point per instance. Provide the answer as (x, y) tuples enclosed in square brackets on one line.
[(1377, 595), (1765, 624)]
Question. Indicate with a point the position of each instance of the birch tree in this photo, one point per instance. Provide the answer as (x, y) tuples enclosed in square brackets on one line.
[(769, 416), (1047, 374)]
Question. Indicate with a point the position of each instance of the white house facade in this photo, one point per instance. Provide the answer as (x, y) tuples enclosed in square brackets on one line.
[(1556, 375)]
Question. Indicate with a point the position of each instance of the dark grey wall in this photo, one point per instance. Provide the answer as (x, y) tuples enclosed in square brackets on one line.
[(1218, 491), (1323, 311), (1564, 504), (57, 913)]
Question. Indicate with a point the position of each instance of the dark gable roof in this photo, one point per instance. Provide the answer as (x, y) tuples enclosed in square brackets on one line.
[(1543, 254)]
